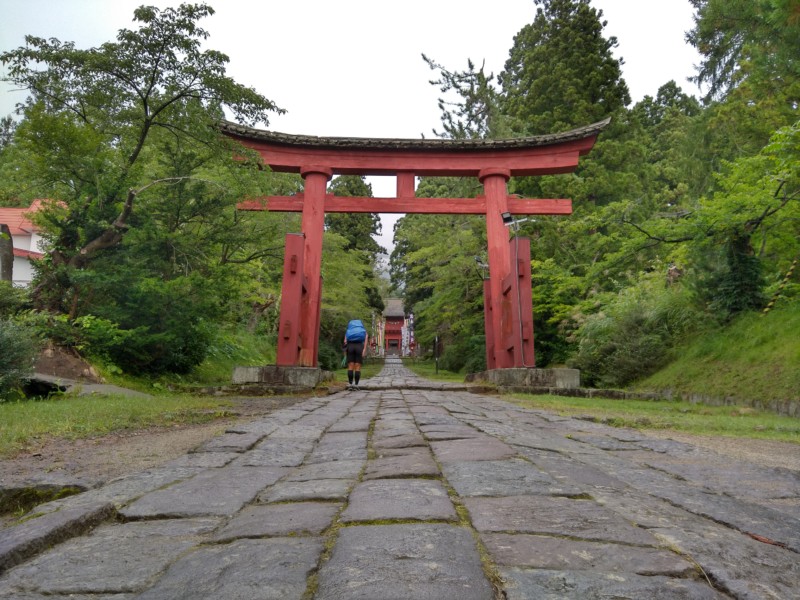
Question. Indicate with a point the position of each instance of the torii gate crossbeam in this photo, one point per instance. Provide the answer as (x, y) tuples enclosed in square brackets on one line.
[(507, 295)]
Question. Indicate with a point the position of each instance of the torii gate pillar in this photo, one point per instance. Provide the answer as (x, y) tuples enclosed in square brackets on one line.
[(494, 186), (313, 225)]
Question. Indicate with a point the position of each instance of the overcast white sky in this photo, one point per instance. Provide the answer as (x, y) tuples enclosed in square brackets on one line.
[(354, 67)]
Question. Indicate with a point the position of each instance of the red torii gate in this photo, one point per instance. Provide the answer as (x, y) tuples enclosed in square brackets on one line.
[(508, 311)]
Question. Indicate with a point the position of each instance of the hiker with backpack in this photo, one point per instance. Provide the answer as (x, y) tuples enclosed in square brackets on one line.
[(355, 343)]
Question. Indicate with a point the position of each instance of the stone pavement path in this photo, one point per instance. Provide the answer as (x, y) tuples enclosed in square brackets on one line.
[(401, 491)]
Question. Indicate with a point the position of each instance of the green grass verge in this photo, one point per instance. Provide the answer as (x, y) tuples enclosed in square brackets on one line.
[(238, 348), (26, 423), (755, 357), (370, 368), (427, 369), (697, 419)]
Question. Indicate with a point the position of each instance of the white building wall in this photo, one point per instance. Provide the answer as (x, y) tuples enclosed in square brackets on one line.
[(23, 272), (36, 243), (23, 242)]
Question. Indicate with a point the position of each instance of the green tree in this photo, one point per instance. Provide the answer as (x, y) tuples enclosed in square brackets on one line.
[(561, 72), (358, 229), (92, 119), (745, 230), (743, 39), (346, 295), (144, 234), (470, 105), (20, 347), (749, 63)]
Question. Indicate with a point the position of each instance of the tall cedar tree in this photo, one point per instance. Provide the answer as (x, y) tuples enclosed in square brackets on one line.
[(561, 73)]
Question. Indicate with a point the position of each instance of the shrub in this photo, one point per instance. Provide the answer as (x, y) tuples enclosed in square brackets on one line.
[(731, 280), (465, 354), (631, 337), (19, 348), (12, 299), (329, 357)]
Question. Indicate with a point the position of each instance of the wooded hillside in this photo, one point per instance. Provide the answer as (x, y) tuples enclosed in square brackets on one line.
[(686, 212)]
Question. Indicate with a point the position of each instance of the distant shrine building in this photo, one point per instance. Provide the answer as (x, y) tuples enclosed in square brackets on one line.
[(508, 310), (398, 333)]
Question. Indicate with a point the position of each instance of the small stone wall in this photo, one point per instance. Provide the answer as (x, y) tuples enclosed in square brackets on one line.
[(537, 378), (302, 377), (789, 408)]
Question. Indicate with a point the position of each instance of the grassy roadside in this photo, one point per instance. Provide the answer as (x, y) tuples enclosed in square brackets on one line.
[(427, 369), (755, 356), (26, 423), (697, 419), (370, 368)]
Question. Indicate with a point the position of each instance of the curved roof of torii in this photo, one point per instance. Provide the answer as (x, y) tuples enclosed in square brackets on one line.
[(532, 155)]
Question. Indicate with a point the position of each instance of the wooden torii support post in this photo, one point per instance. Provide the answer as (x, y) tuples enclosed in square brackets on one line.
[(507, 294)]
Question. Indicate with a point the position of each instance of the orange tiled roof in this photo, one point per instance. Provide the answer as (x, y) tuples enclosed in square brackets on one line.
[(32, 254), (18, 220)]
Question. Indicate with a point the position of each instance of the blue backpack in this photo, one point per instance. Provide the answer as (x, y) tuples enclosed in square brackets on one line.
[(356, 331)]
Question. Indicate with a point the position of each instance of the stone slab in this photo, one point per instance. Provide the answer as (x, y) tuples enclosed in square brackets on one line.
[(422, 499), (276, 453), (204, 460), (25, 540), (296, 431), (409, 451), (523, 584), (330, 453), (274, 569), (416, 464), (351, 424), (745, 516), (230, 442), (122, 490), (380, 442), (562, 554), (579, 519), (337, 469), (440, 433), (119, 558), (745, 567), (569, 471), (420, 562), (605, 442), (510, 477), (478, 448), (214, 492), (297, 518), (315, 489), (733, 478), (15, 595)]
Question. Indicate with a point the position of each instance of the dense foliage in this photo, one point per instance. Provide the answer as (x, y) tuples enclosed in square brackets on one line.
[(148, 259), (685, 212)]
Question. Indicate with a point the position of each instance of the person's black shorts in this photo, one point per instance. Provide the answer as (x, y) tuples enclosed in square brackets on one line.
[(355, 352)]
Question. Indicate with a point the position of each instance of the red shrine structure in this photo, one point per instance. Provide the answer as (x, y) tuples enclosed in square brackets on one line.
[(508, 312)]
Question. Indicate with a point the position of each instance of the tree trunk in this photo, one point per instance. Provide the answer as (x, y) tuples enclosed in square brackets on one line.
[(6, 254)]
